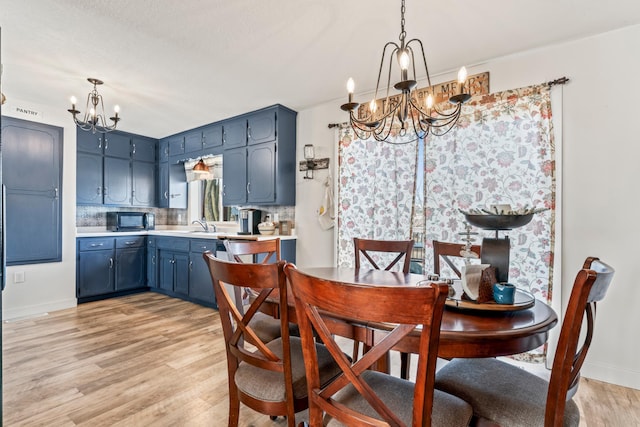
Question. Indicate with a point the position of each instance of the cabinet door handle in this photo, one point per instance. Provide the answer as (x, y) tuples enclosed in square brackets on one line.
[(55, 195), (134, 148), (100, 142), (95, 245), (110, 262), (190, 265), (105, 191), (249, 132), (224, 189), (129, 243), (248, 187), (106, 143), (224, 137), (153, 260), (99, 190), (166, 195)]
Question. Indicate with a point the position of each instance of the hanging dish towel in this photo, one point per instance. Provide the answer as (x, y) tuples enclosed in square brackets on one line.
[(325, 213)]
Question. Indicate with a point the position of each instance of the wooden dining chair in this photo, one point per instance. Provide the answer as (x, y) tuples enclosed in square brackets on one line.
[(260, 251), (359, 395), (446, 251), (506, 395), (366, 248), (267, 377)]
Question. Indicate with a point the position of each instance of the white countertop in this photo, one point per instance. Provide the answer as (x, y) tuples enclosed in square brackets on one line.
[(176, 232)]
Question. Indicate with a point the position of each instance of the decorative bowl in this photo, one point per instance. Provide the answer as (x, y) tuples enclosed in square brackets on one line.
[(266, 229), (498, 222)]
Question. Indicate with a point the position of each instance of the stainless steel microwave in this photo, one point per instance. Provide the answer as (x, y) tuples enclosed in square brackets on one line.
[(130, 221)]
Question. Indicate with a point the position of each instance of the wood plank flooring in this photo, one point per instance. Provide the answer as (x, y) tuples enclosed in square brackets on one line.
[(148, 359)]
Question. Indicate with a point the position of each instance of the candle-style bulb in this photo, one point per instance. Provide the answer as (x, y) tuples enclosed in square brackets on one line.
[(116, 109), (373, 106), (403, 59), (462, 75), (92, 112), (350, 86), (429, 101), (73, 101)]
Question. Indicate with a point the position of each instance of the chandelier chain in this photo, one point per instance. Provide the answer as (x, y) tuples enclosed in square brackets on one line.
[(403, 33)]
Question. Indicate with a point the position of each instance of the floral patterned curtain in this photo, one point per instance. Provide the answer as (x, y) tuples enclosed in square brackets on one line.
[(375, 191)]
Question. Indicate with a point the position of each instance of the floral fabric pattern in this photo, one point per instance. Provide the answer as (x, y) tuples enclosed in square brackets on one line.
[(501, 152), (375, 192)]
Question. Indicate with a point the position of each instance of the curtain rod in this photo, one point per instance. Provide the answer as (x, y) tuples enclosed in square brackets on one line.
[(559, 81)]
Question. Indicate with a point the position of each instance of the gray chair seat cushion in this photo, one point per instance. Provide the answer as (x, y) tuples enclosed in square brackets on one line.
[(397, 394), (266, 327), (500, 392), (269, 385)]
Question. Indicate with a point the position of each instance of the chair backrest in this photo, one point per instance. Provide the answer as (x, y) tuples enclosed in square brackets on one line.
[(266, 278), (367, 304), (446, 251), (401, 247), (589, 287), (269, 248)]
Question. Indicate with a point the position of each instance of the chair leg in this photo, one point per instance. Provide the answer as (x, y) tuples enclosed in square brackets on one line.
[(234, 410), (405, 362)]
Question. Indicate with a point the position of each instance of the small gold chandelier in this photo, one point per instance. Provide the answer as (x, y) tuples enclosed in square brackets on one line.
[(406, 113), (94, 119)]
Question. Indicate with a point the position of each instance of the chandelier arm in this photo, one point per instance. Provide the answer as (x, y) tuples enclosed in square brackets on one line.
[(452, 117), (395, 48), (424, 59)]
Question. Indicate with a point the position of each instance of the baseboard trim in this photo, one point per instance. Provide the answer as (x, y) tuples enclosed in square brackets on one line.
[(35, 310), (611, 374)]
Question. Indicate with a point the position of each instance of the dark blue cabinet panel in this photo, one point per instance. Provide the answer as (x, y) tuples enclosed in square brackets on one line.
[(143, 149), (165, 270), (261, 127), (95, 273), (163, 150), (163, 185), (130, 268), (152, 262), (261, 173), (88, 179), (117, 145), (32, 174), (176, 146), (193, 142), (181, 266), (235, 133), (117, 181), (143, 183), (177, 186), (234, 177), (212, 137), (200, 286), (89, 142)]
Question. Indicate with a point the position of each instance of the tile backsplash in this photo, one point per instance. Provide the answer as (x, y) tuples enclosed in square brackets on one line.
[(96, 216)]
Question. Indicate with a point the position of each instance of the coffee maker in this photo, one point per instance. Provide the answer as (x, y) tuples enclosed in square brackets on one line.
[(249, 220)]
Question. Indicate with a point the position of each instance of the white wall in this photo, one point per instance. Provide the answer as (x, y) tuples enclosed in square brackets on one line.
[(600, 173), (51, 286)]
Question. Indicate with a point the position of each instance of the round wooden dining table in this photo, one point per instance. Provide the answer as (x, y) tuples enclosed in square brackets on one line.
[(463, 332)]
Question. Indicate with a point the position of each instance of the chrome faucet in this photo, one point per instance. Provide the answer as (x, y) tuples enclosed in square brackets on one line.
[(204, 225)]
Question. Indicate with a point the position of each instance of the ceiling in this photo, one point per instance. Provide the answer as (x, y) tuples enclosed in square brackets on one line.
[(174, 65)]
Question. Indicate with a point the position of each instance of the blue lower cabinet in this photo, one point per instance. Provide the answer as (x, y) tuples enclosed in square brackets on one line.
[(200, 286), (109, 266)]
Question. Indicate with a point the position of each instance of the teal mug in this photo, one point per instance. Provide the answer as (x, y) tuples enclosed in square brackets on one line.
[(504, 293)]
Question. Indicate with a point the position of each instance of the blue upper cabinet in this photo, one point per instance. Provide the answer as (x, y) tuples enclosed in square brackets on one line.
[(263, 172), (235, 132), (193, 141), (212, 137), (163, 150), (117, 144), (176, 146), (90, 142), (143, 149), (261, 127), (116, 169)]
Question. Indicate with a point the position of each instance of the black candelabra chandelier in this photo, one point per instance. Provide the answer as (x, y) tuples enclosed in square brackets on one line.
[(405, 113)]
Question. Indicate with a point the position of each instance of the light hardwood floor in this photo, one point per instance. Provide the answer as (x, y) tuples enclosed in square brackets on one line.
[(148, 359)]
